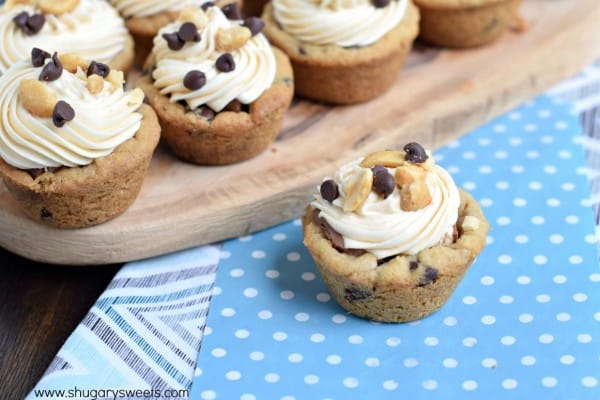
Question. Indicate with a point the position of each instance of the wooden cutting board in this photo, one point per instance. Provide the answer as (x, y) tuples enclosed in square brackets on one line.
[(439, 95)]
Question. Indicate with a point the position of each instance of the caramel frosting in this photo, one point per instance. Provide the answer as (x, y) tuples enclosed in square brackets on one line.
[(380, 225), (254, 70), (145, 8), (344, 23), (94, 30), (102, 120)]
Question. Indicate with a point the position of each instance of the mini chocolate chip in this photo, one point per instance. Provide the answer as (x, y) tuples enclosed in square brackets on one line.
[(430, 275), (225, 63), (99, 69), (45, 213), (194, 80), (383, 181), (234, 106), (146, 100), (381, 3), (38, 57), (302, 50), (21, 19), (329, 190), (232, 11), (188, 32), (51, 71), (34, 24), (35, 172), (255, 25), (415, 153), (206, 5), (413, 265), (287, 81), (62, 113), (384, 260), (355, 294), (173, 41), (205, 112)]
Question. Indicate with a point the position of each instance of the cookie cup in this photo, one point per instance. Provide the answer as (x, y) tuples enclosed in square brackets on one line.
[(404, 288), (339, 75), (231, 136), (465, 23), (76, 197), (123, 61), (143, 30)]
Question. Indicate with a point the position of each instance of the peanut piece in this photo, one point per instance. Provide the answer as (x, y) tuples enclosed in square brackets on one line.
[(229, 39), (414, 193), (95, 83), (37, 98), (387, 158), (194, 15), (357, 190), (470, 224), (57, 7), (8, 4), (71, 61), (116, 78), (136, 96)]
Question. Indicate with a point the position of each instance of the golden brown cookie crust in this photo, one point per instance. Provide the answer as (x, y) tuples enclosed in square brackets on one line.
[(465, 23), (231, 136), (89, 195), (123, 61), (393, 292), (334, 74)]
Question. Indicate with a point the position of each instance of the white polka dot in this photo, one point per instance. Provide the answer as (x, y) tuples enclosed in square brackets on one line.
[(538, 220), (272, 377), (233, 375), (265, 314), (449, 363), (218, 352), (246, 238), (519, 202), (286, 294), (575, 260), (450, 321), (552, 202), (390, 385), (508, 340), (224, 254), (506, 299), (489, 362), (272, 274), (207, 331), (559, 279), (323, 297), (523, 280), (503, 221), (469, 155), (550, 169), (591, 238), (595, 277), (411, 362), (485, 169), (317, 338), (530, 127), (504, 259), (311, 379), (247, 396), (556, 238), (288, 397), (561, 125), (564, 154), (431, 341), (502, 185), (430, 384), (486, 202), (517, 169), (250, 292), (295, 357), (469, 385), (509, 384), (297, 222), (584, 338), (542, 298), (236, 272), (546, 338), (469, 341), (216, 290), (567, 359), (242, 333), (308, 276), (258, 254), (257, 356), (333, 359), (280, 336), (488, 320), (549, 381), (350, 382), (372, 362), (589, 381), (580, 297), (515, 141), (567, 186), (208, 395), (499, 128), (563, 317), (500, 155), (197, 372), (293, 256), (228, 312), (302, 317), (525, 318), (355, 339), (540, 259), (469, 300), (470, 186), (521, 239), (393, 341), (571, 219), (278, 237), (515, 115), (338, 319)]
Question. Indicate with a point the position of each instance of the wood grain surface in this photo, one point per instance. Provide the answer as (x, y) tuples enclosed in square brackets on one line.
[(439, 95)]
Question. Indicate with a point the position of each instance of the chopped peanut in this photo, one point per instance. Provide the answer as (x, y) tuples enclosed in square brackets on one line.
[(37, 98)]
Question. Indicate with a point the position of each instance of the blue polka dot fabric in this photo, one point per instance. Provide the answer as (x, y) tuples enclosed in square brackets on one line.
[(523, 323)]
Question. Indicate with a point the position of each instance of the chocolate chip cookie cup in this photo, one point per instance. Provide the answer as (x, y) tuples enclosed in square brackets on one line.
[(219, 89), (343, 55), (465, 23), (392, 236), (74, 146)]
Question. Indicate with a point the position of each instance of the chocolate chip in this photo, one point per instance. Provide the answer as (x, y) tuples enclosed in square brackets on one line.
[(194, 80), (99, 69), (45, 213), (225, 63), (35, 172), (38, 57), (329, 190), (62, 113), (206, 5), (415, 153), (337, 240), (35, 23), (413, 265), (188, 32), (173, 41), (233, 105), (205, 112), (383, 181), (430, 275), (255, 25), (384, 260), (21, 19), (381, 3), (355, 294), (232, 11), (51, 71)]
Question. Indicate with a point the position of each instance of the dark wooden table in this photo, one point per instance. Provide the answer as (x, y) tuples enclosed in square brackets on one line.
[(40, 305)]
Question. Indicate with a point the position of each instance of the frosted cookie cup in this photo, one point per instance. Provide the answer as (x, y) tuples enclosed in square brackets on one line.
[(90, 28), (74, 146), (343, 52), (392, 236), (220, 94)]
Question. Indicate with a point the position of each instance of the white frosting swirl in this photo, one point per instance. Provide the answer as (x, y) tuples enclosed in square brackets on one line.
[(145, 8), (94, 30), (344, 23), (382, 228), (254, 72), (102, 121)]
